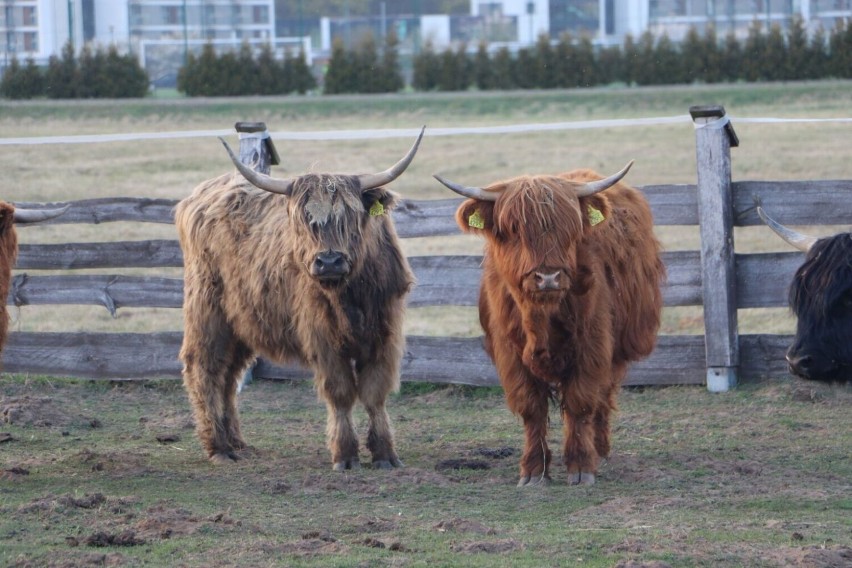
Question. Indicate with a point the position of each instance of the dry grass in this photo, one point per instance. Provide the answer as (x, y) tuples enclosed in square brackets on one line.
[(171, 168)]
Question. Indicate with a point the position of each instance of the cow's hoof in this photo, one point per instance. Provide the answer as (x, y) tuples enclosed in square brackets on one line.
[(387, 464), (581, 478), (352, 464), (534, 481), (224, 458)]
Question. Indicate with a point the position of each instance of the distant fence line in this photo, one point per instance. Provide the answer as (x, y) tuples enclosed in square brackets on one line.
[(714, 276), (373, 134)]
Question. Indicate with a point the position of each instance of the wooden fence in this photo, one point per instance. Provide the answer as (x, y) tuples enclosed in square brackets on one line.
[(715, 277)]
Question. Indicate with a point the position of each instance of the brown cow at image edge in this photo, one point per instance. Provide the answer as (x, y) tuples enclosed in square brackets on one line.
[(306, 269), (570, 294), (9, 217)]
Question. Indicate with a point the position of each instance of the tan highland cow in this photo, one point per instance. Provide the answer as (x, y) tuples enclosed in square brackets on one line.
[(307, 269)]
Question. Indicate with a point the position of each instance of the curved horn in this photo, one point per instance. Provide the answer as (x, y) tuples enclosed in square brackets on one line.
[(593, 187), (23, 216), (797, 240), (471, 192), (369, 181), (257, 179)]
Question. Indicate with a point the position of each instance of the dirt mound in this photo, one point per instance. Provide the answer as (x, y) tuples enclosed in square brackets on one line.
[(33, 411), (503, 546), (463, 526)]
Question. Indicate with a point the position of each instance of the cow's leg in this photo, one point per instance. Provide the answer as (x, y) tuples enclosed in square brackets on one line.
[(213, 358), (336, 386), (528, 398), (375, 382), (579, 417), (605, 410)]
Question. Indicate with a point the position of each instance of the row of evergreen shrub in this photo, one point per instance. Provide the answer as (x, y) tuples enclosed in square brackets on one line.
[(100, 73), (241, 73), (775, 55), (772, 56)]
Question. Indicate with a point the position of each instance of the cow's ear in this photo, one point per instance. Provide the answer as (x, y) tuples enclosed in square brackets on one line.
[(378, 201), (595, 210), (474, 216)]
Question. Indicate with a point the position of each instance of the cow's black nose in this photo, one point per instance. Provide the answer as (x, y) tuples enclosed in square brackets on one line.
[(800, 364), (330, 264)]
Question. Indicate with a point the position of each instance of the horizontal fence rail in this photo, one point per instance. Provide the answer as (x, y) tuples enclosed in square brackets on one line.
[(758, 281)]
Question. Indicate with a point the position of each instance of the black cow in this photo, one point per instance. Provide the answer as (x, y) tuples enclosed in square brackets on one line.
[(821, 298)]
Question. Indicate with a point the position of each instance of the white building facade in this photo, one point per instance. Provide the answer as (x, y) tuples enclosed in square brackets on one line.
[(40, 28)]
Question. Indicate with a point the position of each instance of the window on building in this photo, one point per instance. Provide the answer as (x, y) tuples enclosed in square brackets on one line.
[(29, 16), (260, 14), (30, 41), (171, 15)]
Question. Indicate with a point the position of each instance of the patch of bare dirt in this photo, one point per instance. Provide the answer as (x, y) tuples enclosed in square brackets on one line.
[(365, 483), (813, 557), (464, 526), (73, 561), (632, 469), (642, 564), (122, 464), (462, 463), (372, 525), (503, 546), (33, 411), (311, 544)]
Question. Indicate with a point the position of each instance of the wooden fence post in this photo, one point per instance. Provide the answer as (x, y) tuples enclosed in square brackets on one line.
[(258, 152), (256, 147), (714, 138)]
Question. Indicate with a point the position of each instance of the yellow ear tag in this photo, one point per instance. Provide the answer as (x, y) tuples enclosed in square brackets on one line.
[(377, 209), (595, 216), (476, 221)]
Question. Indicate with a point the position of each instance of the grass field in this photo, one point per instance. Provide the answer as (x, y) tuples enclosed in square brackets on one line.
[(111, 474), (96, 473)]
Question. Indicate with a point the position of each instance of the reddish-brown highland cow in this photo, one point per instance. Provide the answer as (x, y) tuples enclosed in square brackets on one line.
[(9, 216), (570, 294), (307, 269)]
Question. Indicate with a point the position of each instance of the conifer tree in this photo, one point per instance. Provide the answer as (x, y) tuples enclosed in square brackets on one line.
[(22, 82), (389, 67), (817, 55), (62, 79), (731, 59), (587, 70), (427, 68), (753, 54), (545, 63), (667, 67), (504, 69), (338, 77), (299, 73), (483, 72), (713, 72), (774, 60)]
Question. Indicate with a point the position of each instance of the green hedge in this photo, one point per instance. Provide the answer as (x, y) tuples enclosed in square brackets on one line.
[(234, 74), (101, 73), (775, 55)]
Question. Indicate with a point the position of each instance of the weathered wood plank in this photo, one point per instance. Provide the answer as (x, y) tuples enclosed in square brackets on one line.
[(110, 209), (677, 360), (121, 254), (672, 205), (108, 290), (808, 202), (763, 279), (441, 281)]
